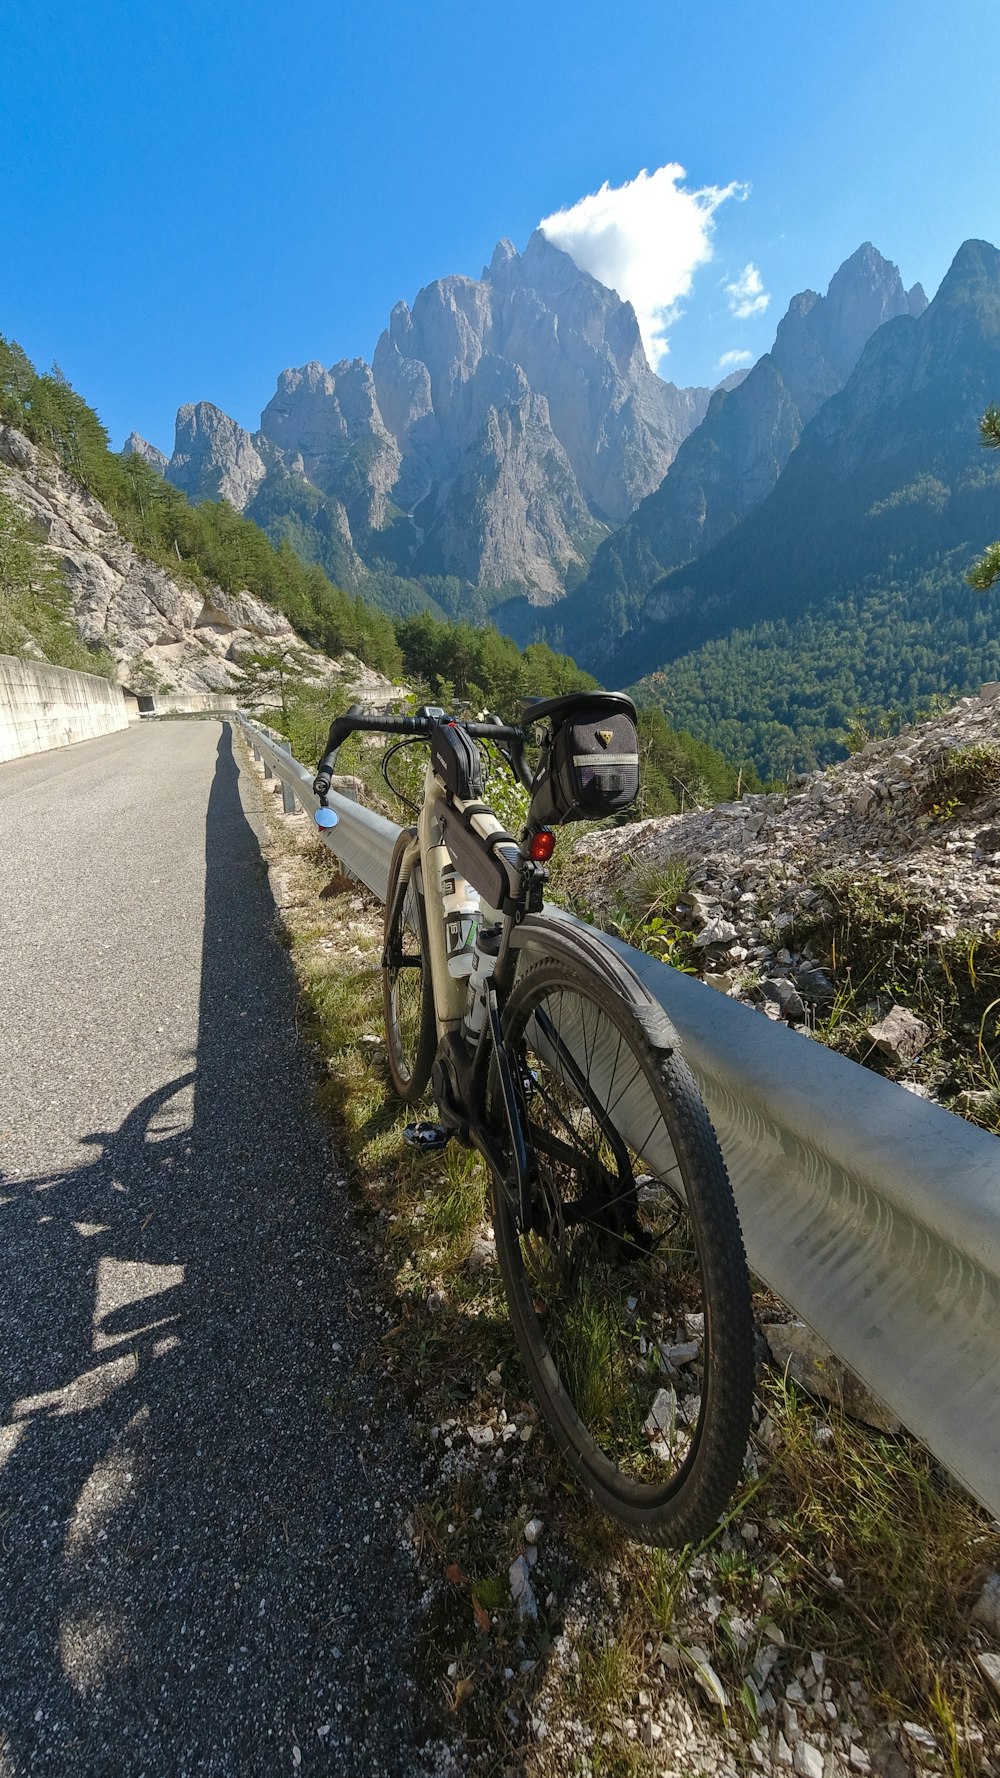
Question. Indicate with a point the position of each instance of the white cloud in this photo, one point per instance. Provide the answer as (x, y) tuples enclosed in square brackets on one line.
[(747, 295), (733, 360), (645, 239)]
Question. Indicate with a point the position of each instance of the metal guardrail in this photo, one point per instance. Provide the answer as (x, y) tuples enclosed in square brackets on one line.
[(873, 1213)]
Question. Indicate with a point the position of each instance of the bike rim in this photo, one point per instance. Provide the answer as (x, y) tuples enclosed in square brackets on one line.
[(611, 1292)]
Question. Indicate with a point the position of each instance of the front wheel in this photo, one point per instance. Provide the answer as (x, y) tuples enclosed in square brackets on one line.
[(410, 1031), (628, 1291)]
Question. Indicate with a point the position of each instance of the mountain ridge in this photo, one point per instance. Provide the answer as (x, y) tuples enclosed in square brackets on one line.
[(730, 462), (504, 425)]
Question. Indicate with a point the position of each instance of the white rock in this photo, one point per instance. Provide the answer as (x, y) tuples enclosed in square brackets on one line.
[(533, 1530), (900, 1035), (482, 1253), (520, 1589), (706, 1676), (717, 932), (986, 1610), (662, 1416), (807, 1761), (684, 1354), (921, 1739), (989, 1667)]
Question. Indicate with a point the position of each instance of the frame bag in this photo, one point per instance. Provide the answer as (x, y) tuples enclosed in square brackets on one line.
[(457, 760)]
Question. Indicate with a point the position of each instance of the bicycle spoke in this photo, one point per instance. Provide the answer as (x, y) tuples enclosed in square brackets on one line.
[(613, 1268)]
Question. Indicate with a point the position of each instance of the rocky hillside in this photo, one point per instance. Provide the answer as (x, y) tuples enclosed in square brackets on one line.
[(164, 632), (732, 460), (504, 426), (862, 905)]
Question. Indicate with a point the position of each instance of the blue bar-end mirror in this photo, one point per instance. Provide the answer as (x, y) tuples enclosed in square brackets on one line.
[(326, 817)]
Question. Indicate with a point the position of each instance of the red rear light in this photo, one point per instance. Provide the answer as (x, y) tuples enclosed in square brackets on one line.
[(542, 846)]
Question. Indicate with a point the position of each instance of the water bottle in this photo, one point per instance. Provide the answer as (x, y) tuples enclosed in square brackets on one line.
[(461, 921), (484, 959)]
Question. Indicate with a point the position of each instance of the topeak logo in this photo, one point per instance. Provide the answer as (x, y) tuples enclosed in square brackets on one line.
[(605, 736)]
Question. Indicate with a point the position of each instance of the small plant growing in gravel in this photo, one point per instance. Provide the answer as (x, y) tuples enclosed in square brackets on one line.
[(646, 915), (885, 946), (964, 776)]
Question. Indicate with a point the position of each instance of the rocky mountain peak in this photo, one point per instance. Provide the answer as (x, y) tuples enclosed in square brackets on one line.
[(974, 271), (865, 291), (328, 427), (503, 425), (137, 446), (503, 252), (731, 461), (214, 457), (820, 338)]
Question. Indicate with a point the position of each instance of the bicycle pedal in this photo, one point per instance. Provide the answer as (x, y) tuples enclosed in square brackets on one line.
[(430, 1138)]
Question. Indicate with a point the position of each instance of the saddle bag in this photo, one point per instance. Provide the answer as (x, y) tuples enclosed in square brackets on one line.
[(591, 767)]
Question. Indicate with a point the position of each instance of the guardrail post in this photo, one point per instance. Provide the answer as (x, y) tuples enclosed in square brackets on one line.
[(288, 801)]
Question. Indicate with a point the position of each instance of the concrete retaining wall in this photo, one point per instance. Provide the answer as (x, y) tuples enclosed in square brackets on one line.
[(43, 706), (185, 703)]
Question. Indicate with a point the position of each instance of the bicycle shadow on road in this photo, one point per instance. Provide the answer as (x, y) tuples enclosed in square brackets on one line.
[(199, 1569)]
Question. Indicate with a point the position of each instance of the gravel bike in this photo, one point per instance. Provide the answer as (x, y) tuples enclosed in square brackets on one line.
[(616, 1229)]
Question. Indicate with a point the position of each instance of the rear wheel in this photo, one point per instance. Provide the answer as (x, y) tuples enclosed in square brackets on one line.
[(629, 1291), (410, 1034)]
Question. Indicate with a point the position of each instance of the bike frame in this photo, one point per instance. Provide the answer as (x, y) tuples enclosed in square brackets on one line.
[(462, 1064)]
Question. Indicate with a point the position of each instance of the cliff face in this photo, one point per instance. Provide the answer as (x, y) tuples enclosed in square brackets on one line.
[(505, 424), (163, 632), (730, 462)]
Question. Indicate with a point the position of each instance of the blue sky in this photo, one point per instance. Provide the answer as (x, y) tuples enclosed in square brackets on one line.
[(194, 195)]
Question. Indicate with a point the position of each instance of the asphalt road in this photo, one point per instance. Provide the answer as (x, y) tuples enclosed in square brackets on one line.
[(201, 1565)]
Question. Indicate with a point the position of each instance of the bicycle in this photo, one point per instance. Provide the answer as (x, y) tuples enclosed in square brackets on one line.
[(617, 1233)]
